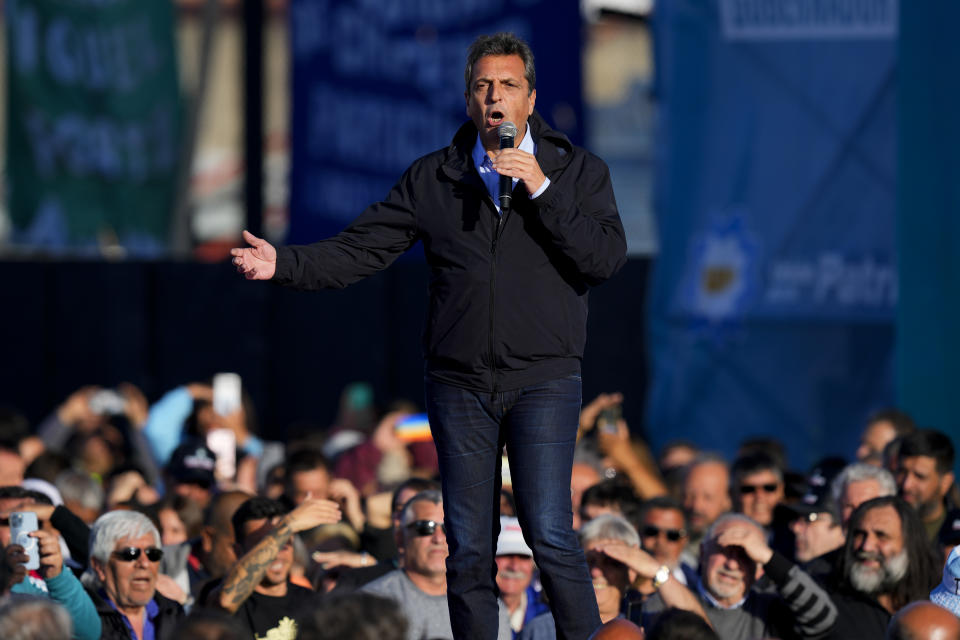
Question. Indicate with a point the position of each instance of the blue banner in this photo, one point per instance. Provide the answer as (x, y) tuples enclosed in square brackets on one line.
[(379, 83), (775, 288)]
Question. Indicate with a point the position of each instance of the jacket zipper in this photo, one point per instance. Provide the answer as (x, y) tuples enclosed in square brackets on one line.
[(493, 287)]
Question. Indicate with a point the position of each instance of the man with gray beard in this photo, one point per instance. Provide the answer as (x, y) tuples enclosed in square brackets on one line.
[(886, 564)]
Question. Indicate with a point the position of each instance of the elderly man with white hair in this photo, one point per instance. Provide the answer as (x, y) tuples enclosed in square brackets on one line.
[(125, 555)]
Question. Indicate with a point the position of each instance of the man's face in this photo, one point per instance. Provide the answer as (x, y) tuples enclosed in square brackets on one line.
[(172, 527), (315, 482), (610, 577), (194, 493), (816, 534), (662, 535), (880, 559), (425, 554), (922, 485), (217, 538), (499, 93), (758, 494), (11, 468), (727, 572), (875, 437), (129, 584), (514, 573), (855, 494), (279, 570), (705, 494)]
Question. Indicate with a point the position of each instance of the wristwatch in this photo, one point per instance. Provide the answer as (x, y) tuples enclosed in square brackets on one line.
[(661, 576)]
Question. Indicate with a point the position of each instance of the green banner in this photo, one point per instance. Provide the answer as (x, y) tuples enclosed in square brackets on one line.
[(93, 124)]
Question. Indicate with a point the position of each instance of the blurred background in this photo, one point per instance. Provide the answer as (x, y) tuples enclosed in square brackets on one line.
[(784, 170)]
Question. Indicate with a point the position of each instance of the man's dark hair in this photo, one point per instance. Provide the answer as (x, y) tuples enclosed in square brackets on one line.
[(929, 443), (677, 624), (766, 445), (750, 464), (210, 624), (415, 483), (501, 44), (661, 502), (306, 459), (923, 566), (17, 492), (256, 508), (901, 421), (355, 616), (613, 493), (48, 465)]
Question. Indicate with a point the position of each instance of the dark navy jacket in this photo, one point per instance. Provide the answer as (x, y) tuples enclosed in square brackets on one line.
[(508, 296)]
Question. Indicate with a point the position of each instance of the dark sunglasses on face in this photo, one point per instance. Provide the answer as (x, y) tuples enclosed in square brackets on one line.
[(425, 528), (673, 535), (132, 553), (753, 488)]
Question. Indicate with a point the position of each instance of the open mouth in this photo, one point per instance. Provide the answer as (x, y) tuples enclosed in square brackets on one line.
[(495, 118)]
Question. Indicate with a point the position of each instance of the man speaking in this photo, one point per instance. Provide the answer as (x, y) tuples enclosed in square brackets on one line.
[(506, 325)]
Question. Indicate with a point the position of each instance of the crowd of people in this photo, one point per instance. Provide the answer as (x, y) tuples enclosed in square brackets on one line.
[(149, 530)]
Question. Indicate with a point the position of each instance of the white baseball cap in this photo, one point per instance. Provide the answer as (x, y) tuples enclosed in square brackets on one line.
[(511, 540)]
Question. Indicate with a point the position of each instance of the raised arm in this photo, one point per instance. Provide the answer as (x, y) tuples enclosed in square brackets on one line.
[(811, 609), (249, 570), (672, 592)]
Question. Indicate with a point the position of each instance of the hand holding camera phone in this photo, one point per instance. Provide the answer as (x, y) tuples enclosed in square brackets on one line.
[(609, 420), (22, 523)]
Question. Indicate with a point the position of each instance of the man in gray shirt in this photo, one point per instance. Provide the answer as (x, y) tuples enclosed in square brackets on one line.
[(733, 556), (419, 586)]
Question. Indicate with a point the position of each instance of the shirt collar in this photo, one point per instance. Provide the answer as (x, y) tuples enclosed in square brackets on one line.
[(480, 156)]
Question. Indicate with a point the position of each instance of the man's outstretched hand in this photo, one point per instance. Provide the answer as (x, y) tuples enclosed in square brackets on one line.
[(258, 262)]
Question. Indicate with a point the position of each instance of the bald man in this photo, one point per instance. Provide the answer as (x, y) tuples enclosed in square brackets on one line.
[(618, 629), (923, 620)]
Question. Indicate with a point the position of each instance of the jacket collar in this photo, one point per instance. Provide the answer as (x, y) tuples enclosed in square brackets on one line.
[(553, 150)]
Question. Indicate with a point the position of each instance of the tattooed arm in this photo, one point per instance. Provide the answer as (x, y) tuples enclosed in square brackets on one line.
[(244, 577)]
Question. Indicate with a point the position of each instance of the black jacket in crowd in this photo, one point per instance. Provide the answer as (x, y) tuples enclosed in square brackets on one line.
[(508, 295), (114, 628)]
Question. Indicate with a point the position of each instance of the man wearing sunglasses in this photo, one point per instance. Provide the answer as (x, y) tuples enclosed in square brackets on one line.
[(757, 487), (419, 586), (663, 534), (124, 564)]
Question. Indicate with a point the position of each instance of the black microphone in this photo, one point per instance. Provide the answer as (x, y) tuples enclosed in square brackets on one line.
[(507, 131)]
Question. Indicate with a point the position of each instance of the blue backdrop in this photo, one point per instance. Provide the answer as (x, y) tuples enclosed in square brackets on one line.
[(773, 296), (379, 83)]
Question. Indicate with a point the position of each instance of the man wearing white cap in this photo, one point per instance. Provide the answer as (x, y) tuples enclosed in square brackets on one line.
[(515, 575)]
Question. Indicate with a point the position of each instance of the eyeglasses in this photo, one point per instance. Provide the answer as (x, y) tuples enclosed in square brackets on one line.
[(673, 535), (770, 487), (425, 528), (132, 553)]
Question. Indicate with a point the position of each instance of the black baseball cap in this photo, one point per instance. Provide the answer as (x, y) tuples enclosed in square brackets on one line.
[(193, 463)]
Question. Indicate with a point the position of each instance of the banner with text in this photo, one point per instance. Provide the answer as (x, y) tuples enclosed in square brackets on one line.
[(776, 285), (93, 116), (379, 83)]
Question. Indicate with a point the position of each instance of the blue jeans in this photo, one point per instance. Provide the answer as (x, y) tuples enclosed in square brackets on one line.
[(538, 424)]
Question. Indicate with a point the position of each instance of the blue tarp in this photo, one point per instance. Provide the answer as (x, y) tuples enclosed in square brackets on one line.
[(379, 83), (773, 297)]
